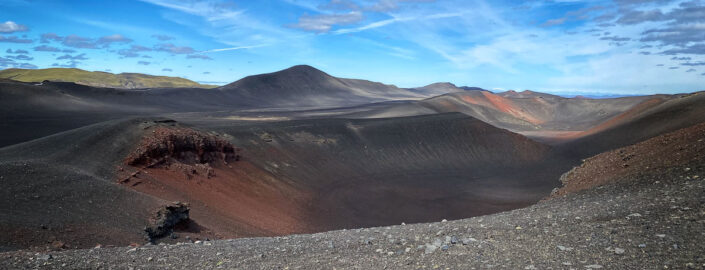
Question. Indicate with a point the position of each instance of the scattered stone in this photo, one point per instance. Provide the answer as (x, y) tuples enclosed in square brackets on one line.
[(430, 249), (619, 251), (635, 215), (642, 245), (469, 240), (453, 240), (45, 257), (563, 248), (593, 266), (660, 235), (437, 243), (58, 245)]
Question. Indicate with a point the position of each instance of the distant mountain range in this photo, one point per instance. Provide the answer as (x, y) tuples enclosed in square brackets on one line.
[(98, 78)]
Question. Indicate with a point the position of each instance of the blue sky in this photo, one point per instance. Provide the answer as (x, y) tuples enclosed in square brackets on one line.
[(559, 46)]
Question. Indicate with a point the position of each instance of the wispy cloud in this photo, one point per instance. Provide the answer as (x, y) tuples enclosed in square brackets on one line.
[(324, 23), (236, 48), (21, 57), (163, 37), (46, 48), (115, 38), (18, 51), (133, 51), (173, 49), (226, 23), (398, 19), (198, 56), (14, 39), (70, 57)]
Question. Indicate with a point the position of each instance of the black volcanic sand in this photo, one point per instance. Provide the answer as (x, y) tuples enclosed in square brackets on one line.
[(61, 188), (34, 110), (362, 173), (388, 171), (654, 221)]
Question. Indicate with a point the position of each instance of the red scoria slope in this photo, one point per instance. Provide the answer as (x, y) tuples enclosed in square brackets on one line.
[(681, 148), (228, 197)]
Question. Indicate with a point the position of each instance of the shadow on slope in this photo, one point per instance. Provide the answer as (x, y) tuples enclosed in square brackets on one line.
[(545, 117), (59, 190), (291, 177), (673, 114), (372, 172)]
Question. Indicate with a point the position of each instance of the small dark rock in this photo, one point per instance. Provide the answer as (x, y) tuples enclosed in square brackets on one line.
[(165, 219), (453, 240)]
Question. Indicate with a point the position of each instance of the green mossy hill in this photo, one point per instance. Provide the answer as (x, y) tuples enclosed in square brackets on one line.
[(98, 78)]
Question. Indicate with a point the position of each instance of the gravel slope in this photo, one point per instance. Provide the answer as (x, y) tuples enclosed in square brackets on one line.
[(649, 222)]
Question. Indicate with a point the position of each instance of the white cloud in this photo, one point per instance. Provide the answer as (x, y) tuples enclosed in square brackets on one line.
[(11, 27)]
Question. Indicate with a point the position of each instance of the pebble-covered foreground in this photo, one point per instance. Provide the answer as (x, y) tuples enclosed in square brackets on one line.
[(650, 222)]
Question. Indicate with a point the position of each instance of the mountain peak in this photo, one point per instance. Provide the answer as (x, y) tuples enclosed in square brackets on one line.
[(472, 88), (525, 94), (441, 84), (302, 70), (295, 75)]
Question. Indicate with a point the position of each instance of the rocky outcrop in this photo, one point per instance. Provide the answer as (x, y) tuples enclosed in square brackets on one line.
[(165, 219), (167, 145)]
